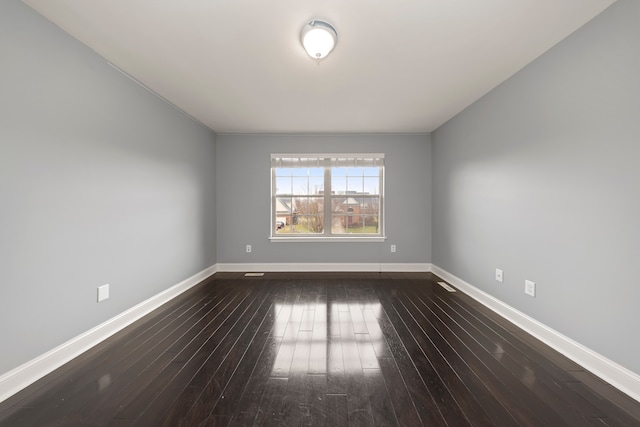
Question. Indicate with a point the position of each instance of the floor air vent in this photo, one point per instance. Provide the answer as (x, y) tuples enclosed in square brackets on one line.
[(446, 286), (254, 274)]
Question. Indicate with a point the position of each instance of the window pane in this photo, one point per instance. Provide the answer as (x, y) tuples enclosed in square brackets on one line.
[(372, 185), (283, 206), (316, 172), (283, 172), (354, 171), (351, 224), (338, 224), (338, 171), (301, 205), (371, 205), (300, 185), (283, 185), (316, 185), (371, 172), (314, 224), (316, 205), (371, 224), (354, 184), (282, 228), (355, 224), (338, 204), (300, 171), (353, 204), (301, 224), (338, 184), (301, 227)]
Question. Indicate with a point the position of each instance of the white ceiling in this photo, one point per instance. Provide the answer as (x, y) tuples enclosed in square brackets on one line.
[(400, 66)]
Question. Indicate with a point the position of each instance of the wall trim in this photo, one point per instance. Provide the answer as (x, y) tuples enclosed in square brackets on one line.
[(31, 371), (618, 376), (317, 267)]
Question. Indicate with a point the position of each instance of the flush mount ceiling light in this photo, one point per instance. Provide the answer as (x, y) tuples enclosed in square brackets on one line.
[(318, 38)]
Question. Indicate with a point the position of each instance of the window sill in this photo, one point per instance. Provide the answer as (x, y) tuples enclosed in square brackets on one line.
[(306, 239)]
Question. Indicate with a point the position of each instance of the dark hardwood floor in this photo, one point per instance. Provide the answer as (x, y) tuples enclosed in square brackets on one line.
[(321, 349)]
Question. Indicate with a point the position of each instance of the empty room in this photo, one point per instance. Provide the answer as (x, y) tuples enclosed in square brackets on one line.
[(319, 213)]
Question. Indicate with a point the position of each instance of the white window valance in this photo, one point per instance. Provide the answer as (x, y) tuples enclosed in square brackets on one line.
[(349, 160)]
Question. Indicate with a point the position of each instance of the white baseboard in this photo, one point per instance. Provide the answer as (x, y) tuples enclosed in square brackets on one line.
[(316, 267), (618, 376), (28, 373)]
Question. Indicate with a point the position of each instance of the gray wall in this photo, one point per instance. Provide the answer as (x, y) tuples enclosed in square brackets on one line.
[(243, 199), (541, 178), (100, 182)]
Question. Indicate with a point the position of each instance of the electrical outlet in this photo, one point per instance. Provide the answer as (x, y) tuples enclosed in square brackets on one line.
[(103, 292), (248, 248), (393, 248), (530, 288), (499, 275)]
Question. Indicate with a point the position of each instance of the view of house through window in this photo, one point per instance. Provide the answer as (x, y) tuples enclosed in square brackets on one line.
[(327, 195)]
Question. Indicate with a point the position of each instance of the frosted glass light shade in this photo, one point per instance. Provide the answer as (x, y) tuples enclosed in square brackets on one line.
[(318, 39)]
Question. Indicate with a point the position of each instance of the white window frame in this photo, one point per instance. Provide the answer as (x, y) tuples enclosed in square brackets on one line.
[(327, 161)]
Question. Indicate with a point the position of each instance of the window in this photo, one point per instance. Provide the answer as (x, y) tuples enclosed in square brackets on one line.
[(327, 196)]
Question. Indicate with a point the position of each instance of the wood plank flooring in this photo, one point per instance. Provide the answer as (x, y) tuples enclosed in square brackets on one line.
[(334, 349)]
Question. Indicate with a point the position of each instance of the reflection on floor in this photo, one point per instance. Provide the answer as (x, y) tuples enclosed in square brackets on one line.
[(317, 339)]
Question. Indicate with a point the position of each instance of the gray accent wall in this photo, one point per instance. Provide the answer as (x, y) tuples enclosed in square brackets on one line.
[(541, 179), (100, 182), (243, 201)]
